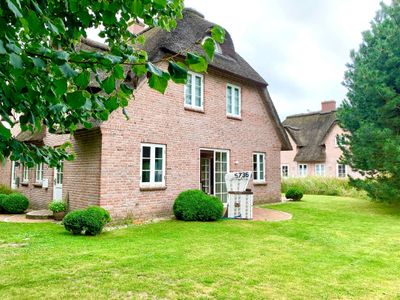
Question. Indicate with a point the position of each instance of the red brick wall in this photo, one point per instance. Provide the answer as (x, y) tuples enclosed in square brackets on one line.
[(162, 119)]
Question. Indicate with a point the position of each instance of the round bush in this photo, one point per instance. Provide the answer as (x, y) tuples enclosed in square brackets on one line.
[(195, 205), (294, 193), (90, 221), (2, 197), (15, 203)]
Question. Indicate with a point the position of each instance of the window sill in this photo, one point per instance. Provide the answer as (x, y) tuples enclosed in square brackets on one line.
[(38, 184), (152, 188), (237, 118), (24, 183), (194, 109), (260, 183)]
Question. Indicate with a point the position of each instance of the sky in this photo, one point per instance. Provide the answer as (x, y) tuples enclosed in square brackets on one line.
[(300, 47)]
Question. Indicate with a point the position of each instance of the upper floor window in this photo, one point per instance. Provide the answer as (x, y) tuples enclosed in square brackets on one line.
[(25, 174), (320, 169), (341, 171), (153, 165), (194, 96), (39, 172), (233, 100), (259, 167), (339, 138), (285, 171), (302, 170)]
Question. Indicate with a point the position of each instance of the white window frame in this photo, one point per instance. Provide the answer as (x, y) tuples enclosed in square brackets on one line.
[(337, 170), (288, 173), (322, 168), (262, 154), (39, 173), (232, 114), (25, 174), (152, 183), (193, 104), (304, 167)]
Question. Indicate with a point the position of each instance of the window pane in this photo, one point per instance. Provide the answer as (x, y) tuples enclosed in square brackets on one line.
[(146, 176), (159, 165), (229, 100), (198, 91), (188, 90), (146, 152), (146, 164), (158, 176), (237, 112), (159, 152)]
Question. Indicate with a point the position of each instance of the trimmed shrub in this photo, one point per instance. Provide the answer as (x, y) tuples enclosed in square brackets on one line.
[(90, 221), (58, 206), (195, 205), (5, 190), (294, 193), (15, 203), (2, 197)]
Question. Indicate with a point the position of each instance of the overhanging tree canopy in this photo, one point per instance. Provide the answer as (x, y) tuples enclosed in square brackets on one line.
[(44, 79), (371, 113)]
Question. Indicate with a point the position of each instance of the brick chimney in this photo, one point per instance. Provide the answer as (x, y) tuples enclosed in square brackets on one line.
[(136, 28), (328, 106)]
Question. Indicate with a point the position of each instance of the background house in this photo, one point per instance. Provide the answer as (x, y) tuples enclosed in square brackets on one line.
[(188, 138), (314, 138)]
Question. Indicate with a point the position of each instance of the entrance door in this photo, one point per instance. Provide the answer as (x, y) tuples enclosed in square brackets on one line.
[(214, 164), (58, 182), (14, 172)]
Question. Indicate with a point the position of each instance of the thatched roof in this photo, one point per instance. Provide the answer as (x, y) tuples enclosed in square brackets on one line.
[(32, 137), (309, 132)]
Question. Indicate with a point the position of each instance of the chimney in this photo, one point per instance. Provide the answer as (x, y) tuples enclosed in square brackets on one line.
[(328, 106), (137, 27)]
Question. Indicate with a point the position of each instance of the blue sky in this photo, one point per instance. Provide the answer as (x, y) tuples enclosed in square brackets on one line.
[(299, 47)]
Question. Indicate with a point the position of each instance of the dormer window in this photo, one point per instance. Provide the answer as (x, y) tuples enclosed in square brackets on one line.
[(217, 46)]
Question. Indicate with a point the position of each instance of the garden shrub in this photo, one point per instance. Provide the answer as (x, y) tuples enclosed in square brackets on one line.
[(14, 203), (90, 221), (294, 193), (2, 197), (5, 190), (58, 206), (195, 205)]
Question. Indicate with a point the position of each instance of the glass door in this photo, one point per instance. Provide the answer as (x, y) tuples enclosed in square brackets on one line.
[(221, 168)]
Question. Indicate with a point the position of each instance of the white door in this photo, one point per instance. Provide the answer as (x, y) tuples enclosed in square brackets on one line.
[(221, 167), (14, 174), (58, 182)]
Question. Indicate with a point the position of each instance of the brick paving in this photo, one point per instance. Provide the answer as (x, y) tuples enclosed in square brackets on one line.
[(270, 215), (20, 219)]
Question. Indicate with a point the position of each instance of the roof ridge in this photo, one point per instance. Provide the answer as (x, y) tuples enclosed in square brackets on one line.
[(312, 113)]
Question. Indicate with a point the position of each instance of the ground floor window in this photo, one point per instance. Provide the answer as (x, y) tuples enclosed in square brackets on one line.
[(302, 170), (341, 171), (39, 172), (25, 174), (320, 169), (285, 171), (153, 165), (259, 167)]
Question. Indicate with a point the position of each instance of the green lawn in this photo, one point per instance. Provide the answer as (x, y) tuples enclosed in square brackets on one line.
[(333, 248)]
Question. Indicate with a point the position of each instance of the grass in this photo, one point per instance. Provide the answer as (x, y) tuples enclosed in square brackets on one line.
[(333, 248), (329, 186)]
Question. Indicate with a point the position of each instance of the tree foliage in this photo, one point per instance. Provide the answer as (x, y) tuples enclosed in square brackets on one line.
[(44, 77), (371, 113)]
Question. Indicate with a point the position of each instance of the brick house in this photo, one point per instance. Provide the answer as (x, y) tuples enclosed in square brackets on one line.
[(186, 139), (314, 138)]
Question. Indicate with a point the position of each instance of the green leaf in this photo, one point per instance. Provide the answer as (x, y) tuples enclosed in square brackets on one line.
[(68, 71), (137, 7), (60, 86), (16, 61), (126, 89), (39, 63), (76, 99), (14, 9), (160, 3), (108, 84), (209, 47), (104, 115), (154, 69), (61, 55), (177, 72), (5, 132), (119, 72), (196, 63), (83, 79), (52, 27), (218, 34), (158, 83), (139, 70), (2, 49), (111, 104)]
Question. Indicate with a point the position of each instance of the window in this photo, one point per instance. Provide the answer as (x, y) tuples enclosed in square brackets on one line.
[(221, 169), (25, 174), (259, 167), (285, 171), (302, 170), (320, 169), (233, 101), (153, 165), (341, 171), (194, 91), (339, 139), (39, 172)]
